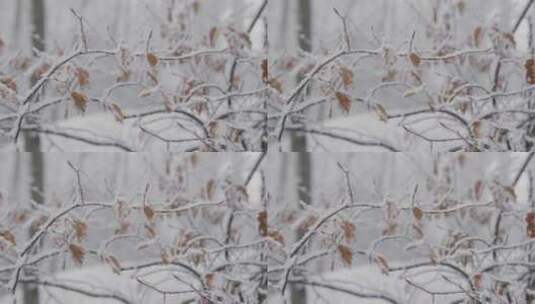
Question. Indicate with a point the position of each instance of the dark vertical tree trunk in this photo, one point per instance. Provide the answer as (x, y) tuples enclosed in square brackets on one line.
[(303, 174), (32, 143), (299, 141), (304, 36), (15, 40), (38, 24)]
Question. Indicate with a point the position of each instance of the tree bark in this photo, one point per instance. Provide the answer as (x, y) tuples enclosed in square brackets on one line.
[(304, 35), (32, 142), (299, 141)]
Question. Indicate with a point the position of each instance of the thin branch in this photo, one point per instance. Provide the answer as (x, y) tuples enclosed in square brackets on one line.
[(523, 168)]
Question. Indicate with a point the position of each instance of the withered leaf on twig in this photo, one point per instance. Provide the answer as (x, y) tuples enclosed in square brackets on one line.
[(82, 76), (345, 254), (80, 229), (77, 253), (261, 217), (80, 100), (530, 71), (8, 236), (347, 76), (418, 213), (152, 59), (343, 101), (415, 59), (264, 67)]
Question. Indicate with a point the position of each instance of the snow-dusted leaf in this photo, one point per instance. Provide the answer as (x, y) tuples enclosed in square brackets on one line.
[(149, 213), (347, 76), (345, 254), (80, 100), (82, 75), (9, 82), (349, 230), (382, 262), (77, 253), (276, 84), (261, 218), (417, 213), (344, 102), (152, 59), (8, 236), (264, 68), (381, 112), (415, 59), (80, 229), (413, 91), (117, 112)]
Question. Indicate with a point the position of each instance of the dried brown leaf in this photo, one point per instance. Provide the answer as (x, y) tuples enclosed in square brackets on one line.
[(511, 191), (77, 253), (415, 59), (152, 59), (381, 261), (381, 112), (277, 236), (122, 209), (418, 232), (165, 258), (343, 101), (152, 75), (345, 254), (40, 71), (82, 76), (530, 218), (8, 236), (264, 67), (276, 84), (261, 218), (150, 231), (530, 227), (124, 75), (117, 112), (242, 191), (477, 189), (347, 76), (80, 230), (417, 213), (478, 280), (149, 213), (213, 35), (349, 230), (80, 100), (146, 92), (114, 263), (209, 280), (210, 189), (510, 38), (477, 36), (530, 71), (307, 223), (9, 82), (476, 127)]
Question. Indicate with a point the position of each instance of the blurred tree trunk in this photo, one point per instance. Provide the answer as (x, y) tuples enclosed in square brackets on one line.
[(299, 141), (15, 40), (32, 141)]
